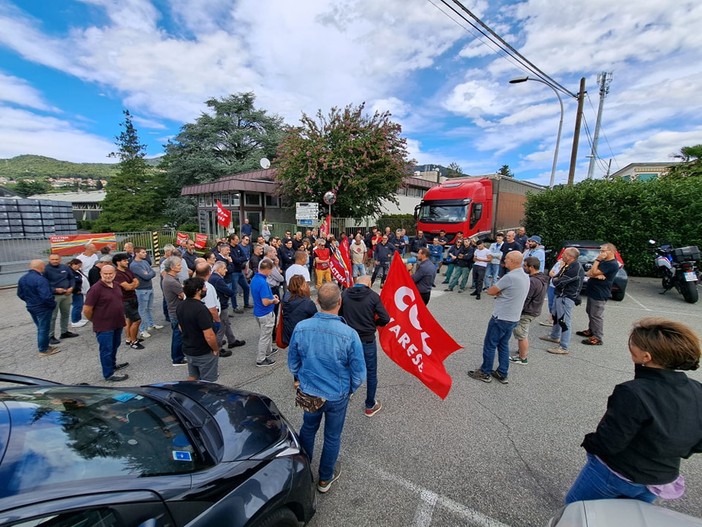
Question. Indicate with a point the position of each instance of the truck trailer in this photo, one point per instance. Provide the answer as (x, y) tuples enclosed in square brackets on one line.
[(475, 206)]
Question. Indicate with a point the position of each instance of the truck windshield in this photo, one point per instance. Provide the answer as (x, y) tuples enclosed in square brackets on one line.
[(429, 213)]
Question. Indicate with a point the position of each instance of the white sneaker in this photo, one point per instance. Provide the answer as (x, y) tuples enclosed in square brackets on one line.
[(82, 322), (156, 326), (145, 334)]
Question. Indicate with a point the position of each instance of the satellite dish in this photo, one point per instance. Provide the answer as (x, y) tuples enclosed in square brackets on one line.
[(265, 163)]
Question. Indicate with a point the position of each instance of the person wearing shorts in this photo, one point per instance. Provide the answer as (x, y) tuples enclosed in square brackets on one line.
[(538, 286)]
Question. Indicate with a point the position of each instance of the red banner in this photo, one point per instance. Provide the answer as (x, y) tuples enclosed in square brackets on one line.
[(325, 227), (200, 241), (68, 245), (224, 216), (181, 238), (340, 264), (413, 339)]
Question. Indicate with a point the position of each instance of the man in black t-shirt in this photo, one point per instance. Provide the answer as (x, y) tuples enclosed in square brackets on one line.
[(599, 289), (199, 339)]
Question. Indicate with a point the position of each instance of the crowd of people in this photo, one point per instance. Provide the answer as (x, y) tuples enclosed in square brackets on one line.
[(651, 423)]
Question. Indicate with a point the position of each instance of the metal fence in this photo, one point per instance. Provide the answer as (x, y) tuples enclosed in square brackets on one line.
[(16, 254)]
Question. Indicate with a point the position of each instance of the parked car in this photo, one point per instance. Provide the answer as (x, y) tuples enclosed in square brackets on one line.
[(589, 250), (169, 454), (615, 513)]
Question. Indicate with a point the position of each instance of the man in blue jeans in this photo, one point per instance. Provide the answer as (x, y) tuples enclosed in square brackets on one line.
[(510, 292), (36, 292), (363, 311), (326, 356), (104, 307)]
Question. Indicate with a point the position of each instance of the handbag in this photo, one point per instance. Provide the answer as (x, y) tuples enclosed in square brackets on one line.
[(309, 403), (279, 329)]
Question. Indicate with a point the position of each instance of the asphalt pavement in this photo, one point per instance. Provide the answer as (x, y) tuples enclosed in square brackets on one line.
[(490, 454)]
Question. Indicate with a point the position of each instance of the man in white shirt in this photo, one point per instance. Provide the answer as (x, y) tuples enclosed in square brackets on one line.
[(358, 252), (299, 267), (481, 258)]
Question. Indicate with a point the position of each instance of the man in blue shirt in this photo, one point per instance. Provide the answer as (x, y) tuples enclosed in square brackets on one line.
[(61, 281), (326, 356), (264, 306), (34, 289)]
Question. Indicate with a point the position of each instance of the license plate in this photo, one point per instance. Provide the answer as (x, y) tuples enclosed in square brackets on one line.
[(690, 276)]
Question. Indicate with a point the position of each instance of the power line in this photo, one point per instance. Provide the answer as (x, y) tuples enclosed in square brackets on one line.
[(488, 33)]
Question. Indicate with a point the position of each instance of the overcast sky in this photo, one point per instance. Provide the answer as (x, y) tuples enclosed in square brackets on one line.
[(68, 68)]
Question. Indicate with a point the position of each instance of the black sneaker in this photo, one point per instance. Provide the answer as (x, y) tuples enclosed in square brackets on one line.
[(68, 335), (121, 365), (117, 378), (273, 352), (324, 486), (502, 378), (54, 341), (136, 346), (181, 362), (236, 344), (265, 362), (479, 375), (225, 353)]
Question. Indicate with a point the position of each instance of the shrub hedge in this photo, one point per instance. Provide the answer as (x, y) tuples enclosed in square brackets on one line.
[(624, 213)]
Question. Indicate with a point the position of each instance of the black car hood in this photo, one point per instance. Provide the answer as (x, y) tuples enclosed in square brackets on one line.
[(249, 422)]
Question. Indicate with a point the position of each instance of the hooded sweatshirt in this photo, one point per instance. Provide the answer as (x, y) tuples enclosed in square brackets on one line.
[(295, 309), (538, 287), (363, 311)]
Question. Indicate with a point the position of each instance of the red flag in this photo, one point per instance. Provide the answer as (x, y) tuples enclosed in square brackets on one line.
[(325, 227), (224, 216), (340, 265), (413, 339)]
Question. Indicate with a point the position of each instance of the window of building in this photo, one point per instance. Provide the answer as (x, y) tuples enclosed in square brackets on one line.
[(234, 200), (272, 201), (252, 199), (208, 200)]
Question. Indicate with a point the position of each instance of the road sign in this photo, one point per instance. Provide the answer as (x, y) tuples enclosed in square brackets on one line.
[(305, 223), (306, 211)]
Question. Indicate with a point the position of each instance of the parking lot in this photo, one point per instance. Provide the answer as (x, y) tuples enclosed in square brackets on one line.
[(489, 454)]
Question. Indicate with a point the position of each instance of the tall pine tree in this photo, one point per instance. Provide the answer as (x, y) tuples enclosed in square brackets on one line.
[(134, 197)]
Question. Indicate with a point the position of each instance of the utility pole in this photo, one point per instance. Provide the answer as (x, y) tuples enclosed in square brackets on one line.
[(603, 79), (576, 133)]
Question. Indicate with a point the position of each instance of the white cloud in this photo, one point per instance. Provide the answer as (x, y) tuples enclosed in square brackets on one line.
[(17, 91), (24, 132)]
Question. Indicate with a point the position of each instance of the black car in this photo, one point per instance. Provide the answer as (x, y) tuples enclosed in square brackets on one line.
[(589, 250), (171, 454)]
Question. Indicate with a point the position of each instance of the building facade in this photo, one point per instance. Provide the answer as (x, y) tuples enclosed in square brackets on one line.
[(254, 195)]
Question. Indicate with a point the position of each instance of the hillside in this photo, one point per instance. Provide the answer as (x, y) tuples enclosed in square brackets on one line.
[(30, 166)]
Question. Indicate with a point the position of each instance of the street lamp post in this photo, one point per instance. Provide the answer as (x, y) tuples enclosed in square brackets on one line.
[(560, 124)]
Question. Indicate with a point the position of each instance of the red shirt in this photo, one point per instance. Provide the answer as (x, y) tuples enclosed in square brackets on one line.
[(322, 254), (108, 309), (125, 276)]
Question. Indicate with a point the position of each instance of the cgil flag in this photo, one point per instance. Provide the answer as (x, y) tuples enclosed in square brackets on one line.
[(413, 339), (340, 263), (224, 216)]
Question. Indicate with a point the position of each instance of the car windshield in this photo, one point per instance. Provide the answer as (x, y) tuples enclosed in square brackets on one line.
[(63, 434), (588, 255), (442, 213)]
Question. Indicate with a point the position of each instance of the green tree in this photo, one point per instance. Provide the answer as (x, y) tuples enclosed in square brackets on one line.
[(691, 157), (134, 196), (231, 138), (360, 157), (26, 187), (454, 170), (505, 171)]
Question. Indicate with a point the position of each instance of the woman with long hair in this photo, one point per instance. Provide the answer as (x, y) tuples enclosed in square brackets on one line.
[(297, 306), (651, 422)]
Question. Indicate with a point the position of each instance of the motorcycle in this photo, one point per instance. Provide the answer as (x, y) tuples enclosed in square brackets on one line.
[(677, 268)]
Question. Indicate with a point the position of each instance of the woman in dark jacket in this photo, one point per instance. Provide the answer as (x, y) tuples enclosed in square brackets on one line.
[(297, 306), (77, 300), (651, 423)]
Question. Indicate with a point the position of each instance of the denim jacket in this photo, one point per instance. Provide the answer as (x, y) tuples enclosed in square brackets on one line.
[(327, 357)]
